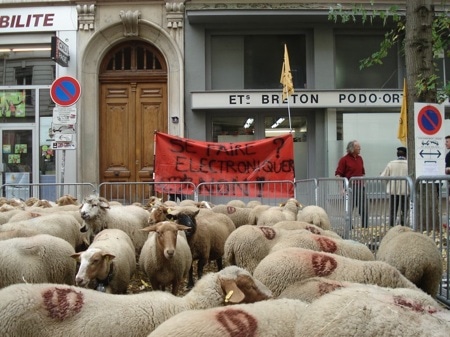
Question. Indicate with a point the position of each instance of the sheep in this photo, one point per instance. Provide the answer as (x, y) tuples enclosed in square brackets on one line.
[(296, 224), (287, 211), (64, 226), (255, 212), (248, 245), (253, 203), (109, 262), (315, 215), (379, 312), (415, 255), (47, 310), (98, 215), (239, 215), (18, 233), (305, 239), (166, 257), (276, 317), (7, 215), (206, 236), (67, 199), (311, 289), (36, 259), (236, 203), (284, 267)]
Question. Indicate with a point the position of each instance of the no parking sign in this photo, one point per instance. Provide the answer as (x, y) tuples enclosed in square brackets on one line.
[(65, 91), (429, 139)]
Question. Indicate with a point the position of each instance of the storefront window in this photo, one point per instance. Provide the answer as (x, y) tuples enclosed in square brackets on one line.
[(277, 126), (255, 61), (350, 50), (233, 129)]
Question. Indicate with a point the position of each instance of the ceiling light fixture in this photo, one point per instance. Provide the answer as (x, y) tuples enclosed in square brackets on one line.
[(248, 123), (278, 122)]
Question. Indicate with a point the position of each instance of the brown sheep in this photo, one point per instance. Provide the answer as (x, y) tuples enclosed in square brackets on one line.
[(165, 257)]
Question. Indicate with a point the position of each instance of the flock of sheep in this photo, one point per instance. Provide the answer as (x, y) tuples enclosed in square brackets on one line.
[(65, 269)]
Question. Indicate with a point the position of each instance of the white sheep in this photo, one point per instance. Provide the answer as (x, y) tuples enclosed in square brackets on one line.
[(239, 215), (320, 243), (64, 226), (415, 255), (265, 318), (255, 212), (37, 259), (5, 216), (284, 267), (315, 215), (296, 224), (286, 211), (47, 310), (98, 215), (367, 312), (248, 245), (109, 262), (166, 257)]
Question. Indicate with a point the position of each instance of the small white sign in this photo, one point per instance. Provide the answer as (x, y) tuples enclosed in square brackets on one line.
[(64, 115)]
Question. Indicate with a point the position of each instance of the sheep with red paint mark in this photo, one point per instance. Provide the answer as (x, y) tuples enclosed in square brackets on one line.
[(415, 255), (108, 264), (286, 266), (296, 224), (248, 245), (374, 311), (239, 215), (166, 257), (48, 310), (266, 318)]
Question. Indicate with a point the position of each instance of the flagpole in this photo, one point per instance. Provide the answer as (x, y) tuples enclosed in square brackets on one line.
[(286, 81)]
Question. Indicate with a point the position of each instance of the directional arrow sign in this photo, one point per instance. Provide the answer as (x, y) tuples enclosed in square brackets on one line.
[(437, 153)]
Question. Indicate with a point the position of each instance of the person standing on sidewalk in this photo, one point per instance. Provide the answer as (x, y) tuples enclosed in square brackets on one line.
[(397, 190), (352, 165)]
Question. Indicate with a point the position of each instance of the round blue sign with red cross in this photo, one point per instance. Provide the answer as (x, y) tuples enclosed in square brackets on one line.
[(429, 120), (65, 91)]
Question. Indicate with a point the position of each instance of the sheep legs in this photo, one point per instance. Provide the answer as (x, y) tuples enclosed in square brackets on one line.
[(200, 264)]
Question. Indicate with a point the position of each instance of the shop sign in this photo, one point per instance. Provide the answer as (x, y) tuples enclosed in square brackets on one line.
[(60, 52)]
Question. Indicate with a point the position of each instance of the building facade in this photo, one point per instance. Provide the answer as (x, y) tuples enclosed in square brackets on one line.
[(206, 70)]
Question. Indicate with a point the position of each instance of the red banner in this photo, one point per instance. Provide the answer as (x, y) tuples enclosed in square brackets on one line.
[(187, 160)]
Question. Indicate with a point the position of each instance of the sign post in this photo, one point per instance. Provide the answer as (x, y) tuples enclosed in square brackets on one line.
[(65, 91), (429, 139)]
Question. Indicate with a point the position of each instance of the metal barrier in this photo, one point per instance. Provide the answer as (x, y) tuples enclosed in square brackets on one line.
[(432, 219), (141, 192), (44, 190), (267, 192)]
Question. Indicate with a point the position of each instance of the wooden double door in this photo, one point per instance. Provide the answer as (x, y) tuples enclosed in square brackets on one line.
[(133, 105), (130, 114)]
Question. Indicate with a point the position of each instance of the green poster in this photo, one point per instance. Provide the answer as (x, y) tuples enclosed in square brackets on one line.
[(12, 104)]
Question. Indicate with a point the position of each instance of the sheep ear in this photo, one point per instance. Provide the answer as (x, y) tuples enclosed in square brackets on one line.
[(183, 227), (108, 256), (76, 256), (233, 294), (151, 228)]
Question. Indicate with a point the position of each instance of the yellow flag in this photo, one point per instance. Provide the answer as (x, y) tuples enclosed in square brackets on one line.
[(286, 76), (403, 122)]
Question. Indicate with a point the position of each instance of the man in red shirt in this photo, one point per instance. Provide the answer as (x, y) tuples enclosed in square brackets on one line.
[(352, 165)]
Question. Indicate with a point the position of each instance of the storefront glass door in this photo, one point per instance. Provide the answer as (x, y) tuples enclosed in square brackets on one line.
[(17, 163)]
